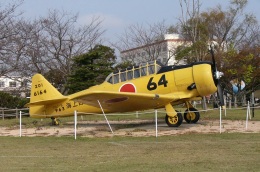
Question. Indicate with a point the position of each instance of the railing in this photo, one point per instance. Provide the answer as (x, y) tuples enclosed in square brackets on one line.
[(13, 113)]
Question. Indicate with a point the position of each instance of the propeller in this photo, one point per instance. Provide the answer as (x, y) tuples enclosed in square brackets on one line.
[(217, 75)]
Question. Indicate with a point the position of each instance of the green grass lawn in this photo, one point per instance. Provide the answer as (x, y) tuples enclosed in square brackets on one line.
[(191, 152)]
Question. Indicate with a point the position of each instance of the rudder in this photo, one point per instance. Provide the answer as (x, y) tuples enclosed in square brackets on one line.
[(42, 90), (42, 95)]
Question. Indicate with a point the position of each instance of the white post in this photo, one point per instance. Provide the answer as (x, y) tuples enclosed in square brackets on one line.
[(225, 105), (220, 119), (105, 117), (247, 113), (75, 124), (20, 123), (229, 103), (156, 126), (136, 114), (253, 105)]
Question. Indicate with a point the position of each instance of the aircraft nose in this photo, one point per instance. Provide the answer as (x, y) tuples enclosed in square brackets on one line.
[(203, 78)]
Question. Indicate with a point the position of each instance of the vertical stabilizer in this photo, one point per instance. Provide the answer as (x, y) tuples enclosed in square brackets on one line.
[(43, 94), (43, 91)]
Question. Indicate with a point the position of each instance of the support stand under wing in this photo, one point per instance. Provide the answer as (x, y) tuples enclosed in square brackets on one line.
[(105, 117)]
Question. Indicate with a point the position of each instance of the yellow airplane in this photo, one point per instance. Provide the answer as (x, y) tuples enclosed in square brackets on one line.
[(148, 86)]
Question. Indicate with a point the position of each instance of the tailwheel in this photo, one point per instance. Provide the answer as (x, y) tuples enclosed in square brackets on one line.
[(175, 121), (191, 115), (55, 121)]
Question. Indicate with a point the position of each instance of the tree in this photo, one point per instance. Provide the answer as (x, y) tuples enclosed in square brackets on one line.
[(234, 34), (9, 101), (91, 68), (53, 41), (223, 27), (123, 65), (193, 32), (239, 66), (11, 39), (150, 37), (45, 45), (62, 40)]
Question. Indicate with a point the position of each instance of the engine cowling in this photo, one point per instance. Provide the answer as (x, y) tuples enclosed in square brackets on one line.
[(203, 78)]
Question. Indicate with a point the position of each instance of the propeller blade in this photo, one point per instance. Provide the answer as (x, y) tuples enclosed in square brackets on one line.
[(217, 75), (220, 95), (213, 59)]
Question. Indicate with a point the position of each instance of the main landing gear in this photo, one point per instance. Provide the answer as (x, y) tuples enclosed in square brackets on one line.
[(174, 118)]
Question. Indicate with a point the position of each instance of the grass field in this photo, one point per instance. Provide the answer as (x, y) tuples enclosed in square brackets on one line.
[(207, 152), (189, 152)]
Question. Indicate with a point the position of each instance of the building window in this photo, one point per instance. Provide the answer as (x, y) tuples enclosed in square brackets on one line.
[(2, 84), (12, 84)]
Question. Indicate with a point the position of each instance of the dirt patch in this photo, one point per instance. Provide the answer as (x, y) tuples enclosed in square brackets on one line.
[(136, 128)]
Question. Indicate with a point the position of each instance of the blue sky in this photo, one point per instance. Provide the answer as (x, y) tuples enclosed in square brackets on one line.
[(118, 14)]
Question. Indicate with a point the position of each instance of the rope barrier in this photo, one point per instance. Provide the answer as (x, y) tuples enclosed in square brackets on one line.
[(117, 114)]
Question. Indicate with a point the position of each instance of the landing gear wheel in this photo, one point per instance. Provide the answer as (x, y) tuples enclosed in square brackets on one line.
[(55, 121), (175, 121), (191, 115)]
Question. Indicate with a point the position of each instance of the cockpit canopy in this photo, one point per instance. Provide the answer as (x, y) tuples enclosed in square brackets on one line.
[(143, 69)]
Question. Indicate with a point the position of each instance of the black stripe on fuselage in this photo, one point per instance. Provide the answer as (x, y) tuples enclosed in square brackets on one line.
[(175, 67)]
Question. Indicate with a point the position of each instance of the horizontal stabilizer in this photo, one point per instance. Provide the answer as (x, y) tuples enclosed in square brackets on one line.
[(46, 102)]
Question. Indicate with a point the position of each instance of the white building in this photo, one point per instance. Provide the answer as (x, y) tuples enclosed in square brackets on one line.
[(15, 85), (162, 51)]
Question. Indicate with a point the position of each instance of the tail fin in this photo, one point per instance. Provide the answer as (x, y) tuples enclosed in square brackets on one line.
[(43, 93)]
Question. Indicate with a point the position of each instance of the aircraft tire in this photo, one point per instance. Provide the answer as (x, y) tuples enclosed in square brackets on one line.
[(174, 121), (191, 115)]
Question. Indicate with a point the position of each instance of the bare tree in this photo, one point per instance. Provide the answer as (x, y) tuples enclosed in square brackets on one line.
[(45, 45), (144, 42), (54, 40), (230, 27), (190, 29), (63, 40), (33, 61), (10, 45)]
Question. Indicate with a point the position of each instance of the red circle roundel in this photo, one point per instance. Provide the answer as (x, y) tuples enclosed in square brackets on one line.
[(128, 87)]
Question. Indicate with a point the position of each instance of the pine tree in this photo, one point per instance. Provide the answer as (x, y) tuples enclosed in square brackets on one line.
[(91, 68)]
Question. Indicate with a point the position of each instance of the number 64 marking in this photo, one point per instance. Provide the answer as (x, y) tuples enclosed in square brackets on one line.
[(152, 85)]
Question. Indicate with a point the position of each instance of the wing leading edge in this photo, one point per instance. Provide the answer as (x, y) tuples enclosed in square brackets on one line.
[(123, 101)]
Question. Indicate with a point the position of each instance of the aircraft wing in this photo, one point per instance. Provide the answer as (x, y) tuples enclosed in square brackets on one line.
[(124, 101)]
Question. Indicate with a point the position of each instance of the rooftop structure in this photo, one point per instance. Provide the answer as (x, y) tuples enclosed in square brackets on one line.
[(162, 51)]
